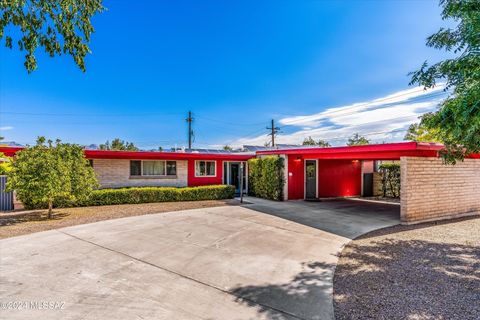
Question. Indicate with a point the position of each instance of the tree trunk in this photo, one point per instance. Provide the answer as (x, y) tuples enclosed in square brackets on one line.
[(50, 206)]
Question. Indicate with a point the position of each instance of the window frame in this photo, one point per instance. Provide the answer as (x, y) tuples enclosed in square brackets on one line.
[(206, 175), (150, 176)]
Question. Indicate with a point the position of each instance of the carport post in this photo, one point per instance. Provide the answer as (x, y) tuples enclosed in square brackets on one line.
[(241, 182)]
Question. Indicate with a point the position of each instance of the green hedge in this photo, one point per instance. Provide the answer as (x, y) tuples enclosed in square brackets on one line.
[(390, 179), (146, 195), (265, 177)]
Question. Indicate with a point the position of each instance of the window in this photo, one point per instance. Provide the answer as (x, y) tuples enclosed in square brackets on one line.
[(135, 168), (205, 168), (153, 168)]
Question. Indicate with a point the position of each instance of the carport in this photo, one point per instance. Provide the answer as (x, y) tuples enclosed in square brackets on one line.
[(430, 190), (312, 173)]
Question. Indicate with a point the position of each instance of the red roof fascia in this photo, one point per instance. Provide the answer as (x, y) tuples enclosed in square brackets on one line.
[(387, 147), (141, 155), (10, 151), (148, 155)]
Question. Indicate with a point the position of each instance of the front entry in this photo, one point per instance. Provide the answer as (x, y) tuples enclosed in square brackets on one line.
[(231, 175), (310, 179)]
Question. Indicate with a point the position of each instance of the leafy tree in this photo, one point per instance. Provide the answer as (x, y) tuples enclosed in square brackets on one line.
[(458, 118), (323, 143), (118, 144), (60, 27), (227, 148), (48, 172), (419, 133), (311, 142), (160, 149), (357, 140)]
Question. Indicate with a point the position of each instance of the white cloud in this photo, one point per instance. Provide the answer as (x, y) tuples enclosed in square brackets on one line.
[(382, 119), (6, 128)]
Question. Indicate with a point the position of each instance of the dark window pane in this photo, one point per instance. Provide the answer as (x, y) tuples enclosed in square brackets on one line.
[(135, 168), (211, 168), (171, 168)]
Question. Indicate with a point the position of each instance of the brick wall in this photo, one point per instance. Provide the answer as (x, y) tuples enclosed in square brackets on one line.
[(115, 173), (377, 184), (434, 191)]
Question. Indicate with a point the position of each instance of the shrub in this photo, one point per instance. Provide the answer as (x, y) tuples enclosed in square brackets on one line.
[(391, 179), (147, 195), (265, 177)]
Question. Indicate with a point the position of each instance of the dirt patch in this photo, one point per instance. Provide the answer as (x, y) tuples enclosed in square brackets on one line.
[(16, 224), (427, 271)]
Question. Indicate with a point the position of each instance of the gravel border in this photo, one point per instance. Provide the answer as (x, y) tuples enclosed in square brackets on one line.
[(426, 271)]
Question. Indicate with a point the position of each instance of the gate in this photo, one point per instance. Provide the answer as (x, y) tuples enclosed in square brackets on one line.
[(6, 198)]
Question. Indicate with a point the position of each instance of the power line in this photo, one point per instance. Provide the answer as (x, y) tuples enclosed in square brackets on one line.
[(90, 114)]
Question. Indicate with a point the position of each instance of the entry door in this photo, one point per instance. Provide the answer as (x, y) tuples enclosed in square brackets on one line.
[(235, 176), (310, 179)]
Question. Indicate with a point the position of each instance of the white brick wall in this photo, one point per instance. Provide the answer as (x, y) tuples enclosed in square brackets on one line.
[(115, 173), (434, 191)]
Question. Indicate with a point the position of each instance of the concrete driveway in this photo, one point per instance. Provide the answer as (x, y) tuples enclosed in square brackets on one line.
[(264, 260)]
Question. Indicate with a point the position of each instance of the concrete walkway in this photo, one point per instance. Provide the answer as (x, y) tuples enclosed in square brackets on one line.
[(217, 263)]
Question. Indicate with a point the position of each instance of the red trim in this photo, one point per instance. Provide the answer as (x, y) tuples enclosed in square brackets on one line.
[(10, 151), (144, 155), (401, 146), (390, 151)]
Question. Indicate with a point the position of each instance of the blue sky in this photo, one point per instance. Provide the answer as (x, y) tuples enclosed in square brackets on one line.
[(235, 65)]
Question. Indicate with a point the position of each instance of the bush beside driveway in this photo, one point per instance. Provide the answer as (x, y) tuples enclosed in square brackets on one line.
[(428, 271)]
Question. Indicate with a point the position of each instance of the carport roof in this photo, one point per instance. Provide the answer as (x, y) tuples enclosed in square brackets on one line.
[(387, 151)]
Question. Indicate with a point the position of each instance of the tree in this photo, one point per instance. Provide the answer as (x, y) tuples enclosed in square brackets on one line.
[(323, 143), (311, 142), (48, 172), (419, 133), (60, 27), (227, 148), (357, 140), (458, 117), (118, 144)]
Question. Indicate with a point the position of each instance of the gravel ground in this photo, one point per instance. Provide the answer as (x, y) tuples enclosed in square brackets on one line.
[(427, 271), (15, 224)]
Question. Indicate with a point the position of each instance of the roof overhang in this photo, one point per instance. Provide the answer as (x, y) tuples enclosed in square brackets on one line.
[(148, 155), (387, 151)]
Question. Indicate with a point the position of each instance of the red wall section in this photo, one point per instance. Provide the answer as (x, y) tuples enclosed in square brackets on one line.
[(202, 181), (296, 180), (339, 178)]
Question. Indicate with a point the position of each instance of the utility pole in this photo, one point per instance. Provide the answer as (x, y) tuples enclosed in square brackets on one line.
[(273, 132), (190, 131)]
